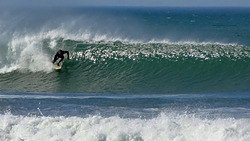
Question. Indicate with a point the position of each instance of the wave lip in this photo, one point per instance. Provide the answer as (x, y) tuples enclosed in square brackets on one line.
[(155, 50)]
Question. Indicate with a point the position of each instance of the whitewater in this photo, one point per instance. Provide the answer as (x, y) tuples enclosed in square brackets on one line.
[(116, 128), (134, 74)]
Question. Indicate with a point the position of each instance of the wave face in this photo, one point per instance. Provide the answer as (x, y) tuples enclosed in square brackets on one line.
[(117, 67), (127, 50)]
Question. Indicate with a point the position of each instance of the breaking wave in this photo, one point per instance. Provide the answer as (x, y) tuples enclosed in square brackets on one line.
[(97, 128)]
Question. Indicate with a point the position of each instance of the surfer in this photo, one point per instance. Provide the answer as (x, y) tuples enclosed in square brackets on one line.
[(58, 55)]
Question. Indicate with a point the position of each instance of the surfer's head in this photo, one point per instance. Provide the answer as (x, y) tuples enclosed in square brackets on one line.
[(60, 52)]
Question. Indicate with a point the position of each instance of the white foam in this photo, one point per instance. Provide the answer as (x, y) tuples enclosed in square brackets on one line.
[(97, 128), (166, 41), (7, 69), (26, 53)]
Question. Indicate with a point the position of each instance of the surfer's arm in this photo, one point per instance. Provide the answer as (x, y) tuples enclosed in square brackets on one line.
[(67, 53)]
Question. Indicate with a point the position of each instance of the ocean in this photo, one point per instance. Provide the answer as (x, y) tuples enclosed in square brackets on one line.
[(134, 74)]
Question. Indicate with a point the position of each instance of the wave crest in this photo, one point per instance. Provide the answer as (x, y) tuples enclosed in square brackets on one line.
[(157, 51), (34, 52)]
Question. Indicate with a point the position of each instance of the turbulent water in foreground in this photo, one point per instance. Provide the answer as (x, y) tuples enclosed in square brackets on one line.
[(134, 74)]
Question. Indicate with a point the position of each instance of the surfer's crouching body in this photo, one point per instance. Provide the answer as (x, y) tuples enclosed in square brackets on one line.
[(58, 55)]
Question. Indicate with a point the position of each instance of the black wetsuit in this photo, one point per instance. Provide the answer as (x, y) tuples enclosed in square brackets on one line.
[(60, 56)]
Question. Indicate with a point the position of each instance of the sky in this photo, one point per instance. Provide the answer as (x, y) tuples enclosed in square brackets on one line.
[(167, 3)]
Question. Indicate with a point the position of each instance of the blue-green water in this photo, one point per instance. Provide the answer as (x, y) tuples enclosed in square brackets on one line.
[(133, 74)]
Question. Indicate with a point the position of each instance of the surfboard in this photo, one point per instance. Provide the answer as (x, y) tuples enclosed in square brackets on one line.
[(57, 67)]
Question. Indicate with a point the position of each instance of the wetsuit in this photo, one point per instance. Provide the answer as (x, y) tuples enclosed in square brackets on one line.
[(60, 56)]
